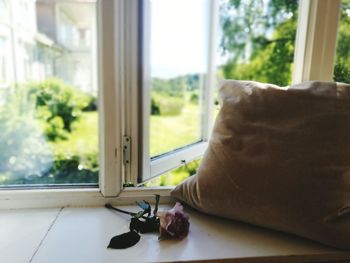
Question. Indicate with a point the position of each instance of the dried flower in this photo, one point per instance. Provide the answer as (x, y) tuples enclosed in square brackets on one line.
[(174, 223)]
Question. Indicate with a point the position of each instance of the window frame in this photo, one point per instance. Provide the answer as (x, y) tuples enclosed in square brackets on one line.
[(318, 21), (119, 98), (151, 167)]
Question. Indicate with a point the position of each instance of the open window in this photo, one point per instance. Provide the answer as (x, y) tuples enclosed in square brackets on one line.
[(177, 72), (143, 73)]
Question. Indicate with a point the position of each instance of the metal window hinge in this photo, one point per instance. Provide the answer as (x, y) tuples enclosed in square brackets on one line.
[(126, 150)]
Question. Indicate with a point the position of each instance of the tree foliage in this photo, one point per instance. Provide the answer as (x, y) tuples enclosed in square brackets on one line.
[(342, 65), (24, 150), (169, 95), (58, 105), (258, 38)]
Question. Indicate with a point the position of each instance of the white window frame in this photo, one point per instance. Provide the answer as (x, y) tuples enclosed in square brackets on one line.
[(315, 44), (120, 96)]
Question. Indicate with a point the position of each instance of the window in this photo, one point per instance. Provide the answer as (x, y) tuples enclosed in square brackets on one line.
[(178, 62), (49, 118), (74, 30), (141, 81)]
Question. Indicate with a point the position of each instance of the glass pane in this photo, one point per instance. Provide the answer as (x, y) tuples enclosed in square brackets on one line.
[(257, 40), (48, 93), (342, 64), (179, 39), (175, 176)]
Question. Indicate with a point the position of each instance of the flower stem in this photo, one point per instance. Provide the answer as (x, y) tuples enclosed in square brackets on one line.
[(156, 206), (109, 206)]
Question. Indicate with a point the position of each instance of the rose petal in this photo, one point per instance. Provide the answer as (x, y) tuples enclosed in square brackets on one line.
[(174, 223)]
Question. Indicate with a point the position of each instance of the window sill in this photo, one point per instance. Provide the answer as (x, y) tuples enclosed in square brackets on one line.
[(46, 198), (82, 235)]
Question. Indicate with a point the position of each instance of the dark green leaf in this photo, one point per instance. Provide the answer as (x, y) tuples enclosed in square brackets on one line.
[(125, 240)]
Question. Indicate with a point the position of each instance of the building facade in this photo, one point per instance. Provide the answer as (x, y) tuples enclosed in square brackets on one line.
[(40, 39)]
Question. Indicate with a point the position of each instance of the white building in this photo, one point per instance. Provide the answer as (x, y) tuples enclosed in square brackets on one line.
[(45, 38)]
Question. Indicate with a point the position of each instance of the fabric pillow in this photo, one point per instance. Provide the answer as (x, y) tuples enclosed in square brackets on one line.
[(279, 158)]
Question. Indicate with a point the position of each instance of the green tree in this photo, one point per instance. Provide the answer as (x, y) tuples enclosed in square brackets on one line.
[(258, 37), (342, 64), (169, 95)]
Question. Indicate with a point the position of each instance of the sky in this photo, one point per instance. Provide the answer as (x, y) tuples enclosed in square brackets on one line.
[(179, 37)]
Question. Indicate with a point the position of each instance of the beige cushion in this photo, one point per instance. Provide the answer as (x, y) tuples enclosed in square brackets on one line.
[(279, 158)]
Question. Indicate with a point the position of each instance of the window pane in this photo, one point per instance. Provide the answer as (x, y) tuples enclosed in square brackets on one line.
[(175, 176), (342, 65), (48, 91), (179, 55), (257, 40)]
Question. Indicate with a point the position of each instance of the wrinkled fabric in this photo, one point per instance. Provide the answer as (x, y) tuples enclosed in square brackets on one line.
[(279, 158)]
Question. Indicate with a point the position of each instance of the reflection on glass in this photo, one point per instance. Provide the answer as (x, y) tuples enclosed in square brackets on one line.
[(342, 64), (176, 176), (179, 37), (48, 117)]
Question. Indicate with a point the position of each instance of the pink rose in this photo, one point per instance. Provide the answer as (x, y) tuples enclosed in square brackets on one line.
[(174, 223)]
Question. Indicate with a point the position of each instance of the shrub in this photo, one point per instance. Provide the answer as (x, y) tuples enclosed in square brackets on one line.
[(75, 169), (26, 157), (166, 105), (57, 103), (194, 98), (92, 104), (24, 150), (54, 129), (154, 107), (341, 72)]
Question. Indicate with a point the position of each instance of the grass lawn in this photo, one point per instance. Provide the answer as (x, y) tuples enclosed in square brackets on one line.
[(167, 133), (171, 132), (83, 139)]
